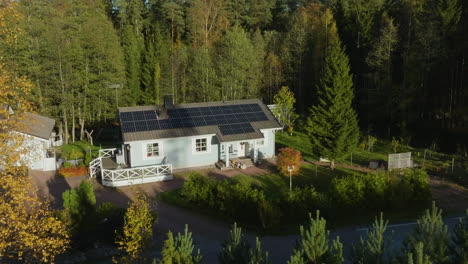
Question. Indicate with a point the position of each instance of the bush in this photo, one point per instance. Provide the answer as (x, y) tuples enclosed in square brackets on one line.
[(242, 202), (289, 157), (72, 171), (67, 165), (348, 192)]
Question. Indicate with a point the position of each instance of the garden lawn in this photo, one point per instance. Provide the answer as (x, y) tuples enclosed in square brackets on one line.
[(435, 163)]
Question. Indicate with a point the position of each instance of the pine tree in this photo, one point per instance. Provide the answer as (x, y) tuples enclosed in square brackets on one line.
[(316, 246), (179, 250), (257, 255), (372, 250), (459, 245), (418, 257), (431, 231), (235, 249), (332, 124)]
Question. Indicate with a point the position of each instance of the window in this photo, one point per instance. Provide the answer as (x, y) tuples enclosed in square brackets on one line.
[(152, 150), (201, 145)]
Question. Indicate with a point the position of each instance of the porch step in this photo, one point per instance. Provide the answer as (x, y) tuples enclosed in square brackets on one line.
[(221, 165)]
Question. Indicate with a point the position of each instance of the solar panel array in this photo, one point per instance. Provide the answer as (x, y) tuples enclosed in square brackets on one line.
[(231, 119)]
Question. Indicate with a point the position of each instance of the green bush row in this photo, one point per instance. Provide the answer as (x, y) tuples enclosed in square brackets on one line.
[(243, 202), (249, 203)]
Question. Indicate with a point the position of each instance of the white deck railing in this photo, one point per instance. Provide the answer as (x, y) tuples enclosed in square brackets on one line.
[(107, 153), (130, 176)]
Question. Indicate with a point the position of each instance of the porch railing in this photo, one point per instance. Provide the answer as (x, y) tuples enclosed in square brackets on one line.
[(107, 153), (132, 176)]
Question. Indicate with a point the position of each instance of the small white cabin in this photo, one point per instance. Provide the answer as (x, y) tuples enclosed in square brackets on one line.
[(39, 140)]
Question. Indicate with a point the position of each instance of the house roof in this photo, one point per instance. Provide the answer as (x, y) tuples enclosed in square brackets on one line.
[(270, 122), (36, 125)]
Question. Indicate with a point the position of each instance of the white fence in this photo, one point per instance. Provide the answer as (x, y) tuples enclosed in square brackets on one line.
[(124, 177), (400, 161)]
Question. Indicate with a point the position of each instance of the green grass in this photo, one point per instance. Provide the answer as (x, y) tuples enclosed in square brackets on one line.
[(76, 150), (320, 177), (435, 163)]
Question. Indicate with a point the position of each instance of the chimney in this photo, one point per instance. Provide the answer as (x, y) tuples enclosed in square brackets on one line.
[(168, 101)]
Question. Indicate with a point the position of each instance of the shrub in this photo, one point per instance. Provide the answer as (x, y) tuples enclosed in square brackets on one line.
[(67, 165), (289, 157), (72, 171), (303, 200), (348, 191), (243, 202)]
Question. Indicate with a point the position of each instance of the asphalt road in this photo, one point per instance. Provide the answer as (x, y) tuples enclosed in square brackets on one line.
[(209, 234)]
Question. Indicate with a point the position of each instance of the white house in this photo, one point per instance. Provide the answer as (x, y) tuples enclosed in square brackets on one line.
[(39, 140), (157, 139)]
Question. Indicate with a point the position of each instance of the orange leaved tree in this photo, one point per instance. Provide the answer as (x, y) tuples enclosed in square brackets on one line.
[(289, 157)]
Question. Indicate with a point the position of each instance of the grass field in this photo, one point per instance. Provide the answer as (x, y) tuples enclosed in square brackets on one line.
[(275, 184), (436, 163)]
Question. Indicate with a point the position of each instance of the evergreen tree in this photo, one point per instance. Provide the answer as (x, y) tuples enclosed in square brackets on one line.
[(459, 245), (257, 255), (235, 249), (431, 231), (373, 249), (80, 208), (332, 124), (132, 16), (419, 257), (315, 244), (179, 250)]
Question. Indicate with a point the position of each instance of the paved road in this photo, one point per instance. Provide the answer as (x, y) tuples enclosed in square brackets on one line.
[(208, 233)]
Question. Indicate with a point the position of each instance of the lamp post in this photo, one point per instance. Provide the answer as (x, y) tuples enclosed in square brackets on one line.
[(290, 169), (115, 86)]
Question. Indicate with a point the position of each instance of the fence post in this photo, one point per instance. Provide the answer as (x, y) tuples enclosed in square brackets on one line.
[(453, 163)]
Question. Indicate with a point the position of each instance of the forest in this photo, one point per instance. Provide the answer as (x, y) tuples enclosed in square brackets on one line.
[(86, 58)]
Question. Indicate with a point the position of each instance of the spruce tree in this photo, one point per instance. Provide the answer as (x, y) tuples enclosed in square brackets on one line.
[(332, 124), (431, 231)]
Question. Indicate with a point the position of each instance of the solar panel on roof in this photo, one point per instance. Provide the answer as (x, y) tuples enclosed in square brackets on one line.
[(126, 117), (233, 118), (150, 115), (233, 129)]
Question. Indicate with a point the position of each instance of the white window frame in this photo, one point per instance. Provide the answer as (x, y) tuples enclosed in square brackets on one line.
[(145, 150), (194, 145), (260, 142)]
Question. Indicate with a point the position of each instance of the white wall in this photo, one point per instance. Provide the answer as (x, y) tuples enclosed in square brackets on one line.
[(34, 156)]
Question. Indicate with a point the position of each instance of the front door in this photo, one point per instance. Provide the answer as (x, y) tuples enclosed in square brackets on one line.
[(244, 149)]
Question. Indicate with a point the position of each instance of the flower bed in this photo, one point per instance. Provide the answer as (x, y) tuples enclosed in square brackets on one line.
[(73, 171)]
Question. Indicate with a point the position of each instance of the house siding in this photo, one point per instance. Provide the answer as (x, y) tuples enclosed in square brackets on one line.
[(180, 152), (34, 156)]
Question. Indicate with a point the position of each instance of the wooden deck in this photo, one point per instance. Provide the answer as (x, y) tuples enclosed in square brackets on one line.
[(110, 164)]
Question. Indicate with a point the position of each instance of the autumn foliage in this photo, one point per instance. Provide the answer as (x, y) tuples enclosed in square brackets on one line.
[(137, 230), (73, 171), (29, 231), (289, 157)]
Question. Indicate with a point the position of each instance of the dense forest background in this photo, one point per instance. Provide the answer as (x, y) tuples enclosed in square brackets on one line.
[(86, 57)]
